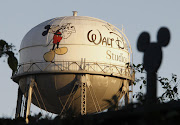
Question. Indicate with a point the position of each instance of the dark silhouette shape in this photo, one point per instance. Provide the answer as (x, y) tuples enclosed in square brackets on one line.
[(152, 58), (7, 50)]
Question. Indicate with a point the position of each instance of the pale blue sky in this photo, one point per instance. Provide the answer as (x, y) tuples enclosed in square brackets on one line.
[(18, 17)]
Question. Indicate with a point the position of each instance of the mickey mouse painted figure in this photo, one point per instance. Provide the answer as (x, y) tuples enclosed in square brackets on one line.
[(59, 33), (54, 29), (152, 59)]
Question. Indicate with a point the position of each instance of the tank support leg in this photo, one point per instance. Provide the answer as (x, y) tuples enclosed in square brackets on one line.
[(19, 103), (29, 98), (83, 94), (126, 96), (126, 99)]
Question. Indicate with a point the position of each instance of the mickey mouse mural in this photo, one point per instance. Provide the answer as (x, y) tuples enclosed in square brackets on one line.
[(152, 58), (59, 33)]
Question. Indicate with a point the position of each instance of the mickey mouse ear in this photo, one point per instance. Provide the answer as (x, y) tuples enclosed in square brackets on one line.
[(47, 27), (143, 41), (45, 33), (163, 36)]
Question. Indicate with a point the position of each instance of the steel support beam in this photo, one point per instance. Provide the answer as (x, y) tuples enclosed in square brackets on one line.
[(126, 96), (29, 99), (19, 103), (83, 94)]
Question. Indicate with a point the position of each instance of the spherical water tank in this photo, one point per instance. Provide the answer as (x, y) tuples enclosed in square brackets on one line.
[(61, 53)]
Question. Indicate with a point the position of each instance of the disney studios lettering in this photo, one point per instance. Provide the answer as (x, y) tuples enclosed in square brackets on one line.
[(115, 41)]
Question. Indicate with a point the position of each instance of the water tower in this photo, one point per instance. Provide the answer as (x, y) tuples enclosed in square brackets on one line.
[(73, 62)]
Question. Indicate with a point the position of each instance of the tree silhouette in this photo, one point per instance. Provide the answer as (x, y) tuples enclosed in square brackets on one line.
[(168, 85), (7, 51)]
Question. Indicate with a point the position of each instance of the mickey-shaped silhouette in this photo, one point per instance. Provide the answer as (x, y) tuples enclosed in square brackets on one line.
[(152, 58)]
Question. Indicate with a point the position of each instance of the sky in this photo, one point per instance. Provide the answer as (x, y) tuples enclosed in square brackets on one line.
[(18, 17)]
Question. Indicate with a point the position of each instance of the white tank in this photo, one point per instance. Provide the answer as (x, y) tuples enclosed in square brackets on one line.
[(59, 51)]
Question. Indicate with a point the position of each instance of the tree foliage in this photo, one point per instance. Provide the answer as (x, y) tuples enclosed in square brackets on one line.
[(7, 51), (169, 86)]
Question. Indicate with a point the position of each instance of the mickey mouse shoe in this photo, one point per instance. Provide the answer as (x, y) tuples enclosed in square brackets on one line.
[(61, 51)]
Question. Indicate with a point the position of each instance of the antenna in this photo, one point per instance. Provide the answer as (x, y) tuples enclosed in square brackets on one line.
[(123, 30)]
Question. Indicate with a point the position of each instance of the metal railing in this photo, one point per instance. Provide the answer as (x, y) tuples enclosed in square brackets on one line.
[(75, 66)]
